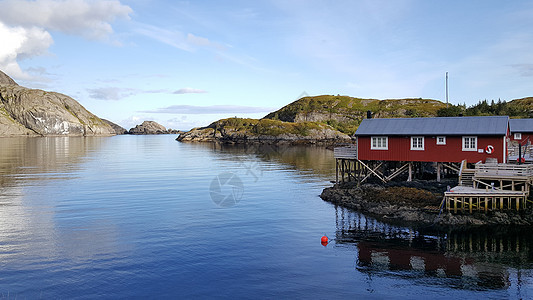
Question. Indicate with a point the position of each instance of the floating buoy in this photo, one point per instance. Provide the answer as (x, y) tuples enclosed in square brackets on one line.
[(324, 240)]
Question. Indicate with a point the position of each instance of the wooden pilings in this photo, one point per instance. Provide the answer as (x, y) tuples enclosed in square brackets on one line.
[(466, 199)]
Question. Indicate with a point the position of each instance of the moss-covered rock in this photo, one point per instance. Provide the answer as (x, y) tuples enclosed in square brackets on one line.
[(241, 130)]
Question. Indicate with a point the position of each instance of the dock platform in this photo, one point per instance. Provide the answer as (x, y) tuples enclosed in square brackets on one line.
[(469, 199)]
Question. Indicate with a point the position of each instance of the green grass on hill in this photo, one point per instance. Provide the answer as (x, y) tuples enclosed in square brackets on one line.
[(345, 113)]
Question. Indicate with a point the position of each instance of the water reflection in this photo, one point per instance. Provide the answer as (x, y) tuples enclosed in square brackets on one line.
[(471, 259), (313, 159), (37, 158), (32, 228)]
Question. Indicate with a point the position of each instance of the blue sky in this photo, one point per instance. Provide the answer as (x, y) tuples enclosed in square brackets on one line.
[(188, 63)]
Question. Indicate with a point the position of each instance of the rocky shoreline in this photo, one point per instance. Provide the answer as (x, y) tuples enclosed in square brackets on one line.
[(417, 205)]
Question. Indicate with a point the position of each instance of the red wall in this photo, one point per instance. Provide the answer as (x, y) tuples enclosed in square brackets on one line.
[(400, 149)]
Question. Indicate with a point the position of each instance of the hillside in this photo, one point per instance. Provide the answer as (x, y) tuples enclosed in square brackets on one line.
[(345, 113), (523, 105), (25, 111)]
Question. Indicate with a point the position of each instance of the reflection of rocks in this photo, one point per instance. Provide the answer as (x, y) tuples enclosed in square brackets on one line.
[(40, 156), (25, 111), (380, 202), (315, 160), (151, 127)]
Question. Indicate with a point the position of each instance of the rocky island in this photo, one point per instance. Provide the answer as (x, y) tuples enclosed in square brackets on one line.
[(238, 130), (151, 127)]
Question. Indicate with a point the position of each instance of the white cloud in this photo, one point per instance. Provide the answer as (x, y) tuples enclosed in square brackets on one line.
[(189, 91), (177, 39), (20, 43), (117, 93), (213, 109), (90, 19), (25, 26), (110, 93)]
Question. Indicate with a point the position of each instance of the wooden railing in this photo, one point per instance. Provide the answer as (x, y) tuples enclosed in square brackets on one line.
[(503, 170), (348, 152)]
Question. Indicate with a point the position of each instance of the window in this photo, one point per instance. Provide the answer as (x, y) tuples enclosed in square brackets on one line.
[(417, 143), (518, 136), (469, 143), (380, 143), (441, 140)]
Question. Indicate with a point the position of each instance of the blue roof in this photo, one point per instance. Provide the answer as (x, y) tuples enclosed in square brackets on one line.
[(521, 125), (493, 125)]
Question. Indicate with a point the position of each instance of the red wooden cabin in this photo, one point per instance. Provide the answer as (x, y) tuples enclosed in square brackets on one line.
[(521, 130), (450, 139)]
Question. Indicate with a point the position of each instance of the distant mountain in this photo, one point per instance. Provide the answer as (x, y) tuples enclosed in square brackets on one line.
[(25, 111)]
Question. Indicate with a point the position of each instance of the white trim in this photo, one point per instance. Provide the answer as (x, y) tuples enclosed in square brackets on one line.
[(469, 148), (504, 151), (413, 146), (518, 136), (443, 142), (376, 143)]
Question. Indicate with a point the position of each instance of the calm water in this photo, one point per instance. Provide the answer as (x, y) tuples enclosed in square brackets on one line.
[(137, 217)]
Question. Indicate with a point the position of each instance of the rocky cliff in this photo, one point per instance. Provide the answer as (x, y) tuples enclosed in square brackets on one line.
[(238, 130), (25, 111)]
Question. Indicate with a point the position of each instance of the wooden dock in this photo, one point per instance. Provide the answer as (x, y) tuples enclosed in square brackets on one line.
[(469, 199)]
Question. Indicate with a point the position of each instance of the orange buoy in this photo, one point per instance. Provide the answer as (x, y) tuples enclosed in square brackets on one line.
[(324, 239)]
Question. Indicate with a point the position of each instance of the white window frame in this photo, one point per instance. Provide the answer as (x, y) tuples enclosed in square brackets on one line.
[(417, 147), (467, 147), (376, 143), (518, 136), (443, 140)]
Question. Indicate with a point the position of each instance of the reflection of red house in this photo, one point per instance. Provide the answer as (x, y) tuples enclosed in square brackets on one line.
[(400, 259), (451, 139)]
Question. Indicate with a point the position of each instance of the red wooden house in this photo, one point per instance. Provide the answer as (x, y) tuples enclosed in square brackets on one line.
[(521, 130), (521, 135), (451, 139)]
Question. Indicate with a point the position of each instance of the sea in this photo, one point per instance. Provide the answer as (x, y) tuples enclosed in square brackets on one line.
[(147, 217)]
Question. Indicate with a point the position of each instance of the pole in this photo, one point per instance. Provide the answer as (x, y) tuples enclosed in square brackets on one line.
[(446, 89), (519, 154)]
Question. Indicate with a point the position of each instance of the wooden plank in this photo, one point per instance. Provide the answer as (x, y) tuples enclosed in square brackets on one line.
[(349, 152)]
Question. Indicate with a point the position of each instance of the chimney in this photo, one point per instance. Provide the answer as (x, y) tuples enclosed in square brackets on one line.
[(369, 114)]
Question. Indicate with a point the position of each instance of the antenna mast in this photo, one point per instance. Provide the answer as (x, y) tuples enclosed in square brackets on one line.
[(446, 89)]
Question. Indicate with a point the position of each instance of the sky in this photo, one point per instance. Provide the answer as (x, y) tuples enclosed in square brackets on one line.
[(186, 64)]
